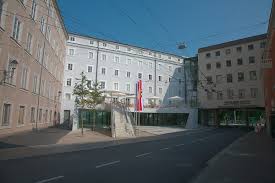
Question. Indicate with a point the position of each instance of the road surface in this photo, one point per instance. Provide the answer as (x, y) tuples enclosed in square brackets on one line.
[(178, 158)]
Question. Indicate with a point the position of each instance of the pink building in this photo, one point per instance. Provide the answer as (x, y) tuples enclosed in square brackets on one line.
[(32, 52)]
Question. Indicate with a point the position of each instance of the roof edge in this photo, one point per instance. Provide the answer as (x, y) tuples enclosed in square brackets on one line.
[(234, 42)]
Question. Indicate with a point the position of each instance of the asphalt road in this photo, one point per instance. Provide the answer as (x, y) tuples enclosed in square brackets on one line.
[(171, 160)]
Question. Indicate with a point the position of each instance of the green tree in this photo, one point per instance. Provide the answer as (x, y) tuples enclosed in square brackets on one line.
[(81, 91), (93, 99)]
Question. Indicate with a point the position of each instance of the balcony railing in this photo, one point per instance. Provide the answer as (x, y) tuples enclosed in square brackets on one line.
[(266, 63)]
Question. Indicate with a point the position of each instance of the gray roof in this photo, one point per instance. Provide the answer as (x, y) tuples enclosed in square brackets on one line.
[(232, 43)]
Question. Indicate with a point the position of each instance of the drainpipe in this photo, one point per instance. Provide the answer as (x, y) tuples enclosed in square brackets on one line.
[(155, 78), (41, 72), (96, 67), (185, 84)]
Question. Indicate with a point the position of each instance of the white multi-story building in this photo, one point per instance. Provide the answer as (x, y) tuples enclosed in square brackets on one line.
[(230, 80), (118, 67)]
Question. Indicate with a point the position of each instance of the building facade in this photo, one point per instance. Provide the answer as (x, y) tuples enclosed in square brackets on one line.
[(32, 53), (118, 67), (269, 74), (230, 88)]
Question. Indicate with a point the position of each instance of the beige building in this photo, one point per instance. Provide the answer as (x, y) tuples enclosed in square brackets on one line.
[(230, 88), (32, 52)]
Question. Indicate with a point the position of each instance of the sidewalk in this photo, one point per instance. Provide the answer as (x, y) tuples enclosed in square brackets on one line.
[(249, 159)]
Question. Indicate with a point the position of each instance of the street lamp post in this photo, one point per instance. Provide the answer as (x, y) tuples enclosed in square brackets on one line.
[(10, 72)]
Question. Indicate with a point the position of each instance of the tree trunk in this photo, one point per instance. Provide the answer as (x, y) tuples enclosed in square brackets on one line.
[(81, 114), (94, 119)]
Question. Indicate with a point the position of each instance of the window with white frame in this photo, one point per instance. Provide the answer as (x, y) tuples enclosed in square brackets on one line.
[(34, 7), (116, 86), (46, 115), (72, 38), (253, 75), (139, 75), (42, 25), (103, 71), (241, 93), (254, 92), (170, 68), (69, 82), (6, 114), (251, 60), (89, 84), (150, 89), (32, 114), (103, 57), (91, 55), (48, 35), (230, 93), (71, 52), (150, 77), (160, 90), (117, 47), (209, 95), (90, 68), (21, 115), (9, 78), (67, 96), (116, 72), (104, 44), (70, 67), (1, 8), (24, 77), (129, 61), (150, 65), (102, 85), (219, 95), (91, 42), (128, 87), (140, 63), (50, 115), (16, 28), (160, 78), (40, 115), (35, 84), (29, 42), (116, 59), (128, 74), (218, 79)]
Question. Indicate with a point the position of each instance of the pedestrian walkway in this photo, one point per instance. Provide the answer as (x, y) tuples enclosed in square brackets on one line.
[(249, 159), (160, 130)]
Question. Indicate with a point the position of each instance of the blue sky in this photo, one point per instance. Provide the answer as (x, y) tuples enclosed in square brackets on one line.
[(162, 24)]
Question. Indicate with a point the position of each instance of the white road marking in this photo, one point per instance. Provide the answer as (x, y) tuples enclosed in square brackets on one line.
[(178, 145), (144, 154), (107, 164), (51, 179), (163, 149)]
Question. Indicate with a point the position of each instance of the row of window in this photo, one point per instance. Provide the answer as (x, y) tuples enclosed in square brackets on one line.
[(102, 85), (229, 77), (117, 47), (251, 60), (47, 89), (17, 31), (45, 116), (230, 94), (238, 50), (128, 61)]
